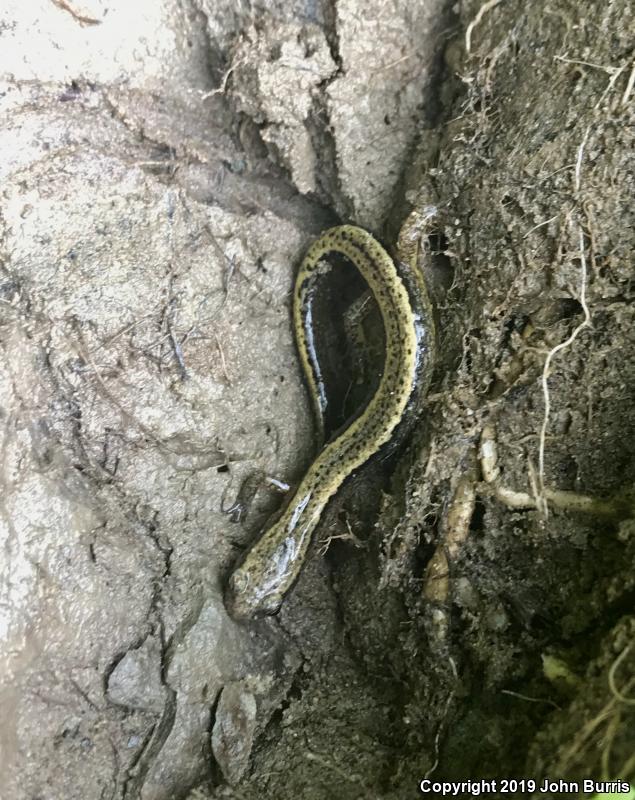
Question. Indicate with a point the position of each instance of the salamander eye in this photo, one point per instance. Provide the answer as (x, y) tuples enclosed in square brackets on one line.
[(271, 605), (239, 581)]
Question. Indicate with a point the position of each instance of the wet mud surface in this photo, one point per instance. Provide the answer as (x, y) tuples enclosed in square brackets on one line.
[(466, 612)]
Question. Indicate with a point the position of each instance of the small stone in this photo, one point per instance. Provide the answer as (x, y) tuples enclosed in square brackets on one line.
[(136, 680), (233, 732)]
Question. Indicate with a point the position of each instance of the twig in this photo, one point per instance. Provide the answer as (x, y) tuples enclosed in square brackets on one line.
[(83, 20), (437, 737), (222, 358), (223, 84), (604, 68), (629, 86), (530, 699), (176, 345), (540, 224), (615, 73), (481, 13), (565, 501), (567, 343), (617, 694), (545, 374), (349, 536), (607, 743)]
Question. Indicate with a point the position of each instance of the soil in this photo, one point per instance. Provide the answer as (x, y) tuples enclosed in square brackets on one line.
[(467, 610)]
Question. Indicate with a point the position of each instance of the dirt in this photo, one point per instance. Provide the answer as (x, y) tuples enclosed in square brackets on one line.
[(466, 613)]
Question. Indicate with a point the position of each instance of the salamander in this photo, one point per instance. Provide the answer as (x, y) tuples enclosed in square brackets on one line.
[(268, 570)]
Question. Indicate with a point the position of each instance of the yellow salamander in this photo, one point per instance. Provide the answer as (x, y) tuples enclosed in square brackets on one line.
[(268, 570)]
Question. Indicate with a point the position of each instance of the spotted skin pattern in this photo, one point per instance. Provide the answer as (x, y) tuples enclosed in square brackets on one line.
[(269, 569)]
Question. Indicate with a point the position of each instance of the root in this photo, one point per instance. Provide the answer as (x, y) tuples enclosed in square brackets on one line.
[(488, 6), (565, 501)]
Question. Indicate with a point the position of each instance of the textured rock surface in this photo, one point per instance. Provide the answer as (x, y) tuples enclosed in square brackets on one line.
[(234, 730), (164, 166)]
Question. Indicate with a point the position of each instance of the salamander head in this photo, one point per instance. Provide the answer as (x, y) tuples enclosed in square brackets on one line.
[(261, 580), (246, 598)]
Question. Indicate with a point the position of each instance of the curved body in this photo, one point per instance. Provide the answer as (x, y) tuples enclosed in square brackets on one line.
[(269, 569)]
